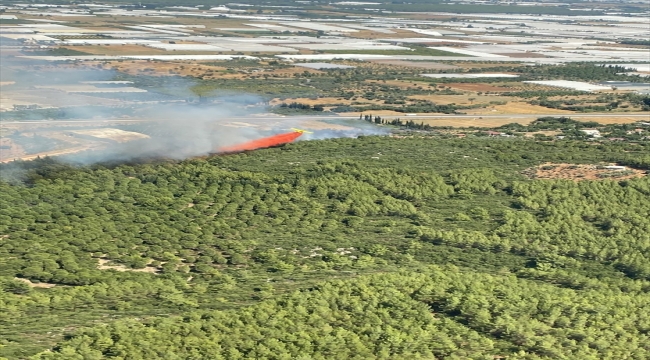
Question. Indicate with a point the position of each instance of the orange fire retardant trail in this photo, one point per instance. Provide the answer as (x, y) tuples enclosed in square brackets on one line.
[(262, 143)]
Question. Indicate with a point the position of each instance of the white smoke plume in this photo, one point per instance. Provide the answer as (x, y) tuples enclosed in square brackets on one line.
[(184, 127)]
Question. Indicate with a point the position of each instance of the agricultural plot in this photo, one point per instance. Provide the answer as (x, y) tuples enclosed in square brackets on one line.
[(573, 85), (321, 66), (416, 64), (49, 98), (469, 76), (117, 135), (581, 172)]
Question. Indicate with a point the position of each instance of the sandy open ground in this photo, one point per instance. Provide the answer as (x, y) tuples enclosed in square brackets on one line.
[(112, 134), (102, 265), (516, 108), (416, 64), (581, 172), (459, 99), (477, 87), (40, 285)]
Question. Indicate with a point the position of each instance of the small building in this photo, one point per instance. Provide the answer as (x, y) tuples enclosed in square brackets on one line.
[(635, 131), (591, 132), (615, 168), (26, 107)]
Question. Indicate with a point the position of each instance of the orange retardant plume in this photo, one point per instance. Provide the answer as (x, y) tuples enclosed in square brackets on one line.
[(262, 143)]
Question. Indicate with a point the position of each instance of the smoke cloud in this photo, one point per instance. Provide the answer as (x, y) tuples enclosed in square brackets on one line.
[(179, 123), (176, 132)]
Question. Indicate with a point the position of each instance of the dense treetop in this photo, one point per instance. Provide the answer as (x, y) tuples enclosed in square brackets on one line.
[(377, 247)]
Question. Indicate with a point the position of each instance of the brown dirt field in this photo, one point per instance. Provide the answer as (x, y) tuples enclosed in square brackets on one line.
[(547, 133), (102, 27), (516, 107), (579, 172), (323, 101), (194, 69), (308, 101), (134, 67), (400, 83), (319, 125), (576, 97), (477, 87), (112, 134), (416, 64), (116, 49), (472, 65), (369, 34), (374, 112), (290, 71), (523, 55), (143, 20), (475, 122), (459, 99)]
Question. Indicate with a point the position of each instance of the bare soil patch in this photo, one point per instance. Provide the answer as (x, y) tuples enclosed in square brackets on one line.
[(475, 122), (516, 107), (523, 55), (323, 101), (477, 87), (116, 49), (112, 134), (369, 34), (579, 172), (400, 83), (416, 64), (103, 266), (40, 285), (320, 125), (311, 101), (374, 113), (200, 70), (161, 68), (474, 65), (459, 99), (546, 133), (288, 72)]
